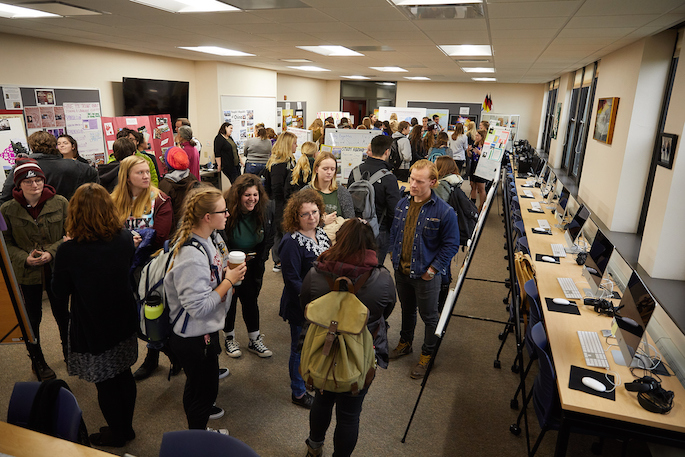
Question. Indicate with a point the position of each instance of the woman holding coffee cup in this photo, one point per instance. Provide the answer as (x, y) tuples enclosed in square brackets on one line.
[(199, 287), (304, 241), (249, 231)]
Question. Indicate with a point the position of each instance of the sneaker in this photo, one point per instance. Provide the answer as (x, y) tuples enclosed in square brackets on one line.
[(314, 452), (257, 346), (304, 401), (402, 348), (419, 371), (223, 431), (232, 347), (277, 268), (223, 372), (216, 413)]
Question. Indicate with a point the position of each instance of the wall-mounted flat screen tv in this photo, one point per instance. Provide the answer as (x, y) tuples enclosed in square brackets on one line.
[(155, 96)]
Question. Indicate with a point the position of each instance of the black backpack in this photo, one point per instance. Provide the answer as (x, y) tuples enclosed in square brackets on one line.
[(467, 214), (395, 159)]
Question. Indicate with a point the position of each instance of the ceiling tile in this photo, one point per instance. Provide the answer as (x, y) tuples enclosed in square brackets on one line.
[(636, 7), (462, 25), (542, 9)]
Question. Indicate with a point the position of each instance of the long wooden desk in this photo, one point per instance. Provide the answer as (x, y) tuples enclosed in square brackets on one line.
[(565, 346), (21, 442)]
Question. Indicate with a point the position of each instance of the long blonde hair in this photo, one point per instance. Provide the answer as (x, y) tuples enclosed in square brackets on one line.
[(122, 196), (317, 124), (198, 202), (320, 158), (458, 130), (302, 168), (282, 150)]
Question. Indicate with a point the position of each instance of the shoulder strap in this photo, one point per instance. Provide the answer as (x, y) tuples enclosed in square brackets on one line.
[(334, 284), (357, 174), (377, 176)]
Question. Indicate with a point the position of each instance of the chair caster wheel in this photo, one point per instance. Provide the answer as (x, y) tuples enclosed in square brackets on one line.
[(498, 364), (501, 336), (515, 369), (514, 403), (515, 429), (505, 300)]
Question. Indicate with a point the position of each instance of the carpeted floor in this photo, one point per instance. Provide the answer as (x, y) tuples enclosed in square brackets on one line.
[(464, 410)]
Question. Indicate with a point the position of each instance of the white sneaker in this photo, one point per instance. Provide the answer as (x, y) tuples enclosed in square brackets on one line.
[(257, 346), (216, 413), (223, 431), (232, 347), (276, 268), (223, 372)]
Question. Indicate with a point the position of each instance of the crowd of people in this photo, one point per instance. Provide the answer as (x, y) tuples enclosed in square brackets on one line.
[(60, 221)]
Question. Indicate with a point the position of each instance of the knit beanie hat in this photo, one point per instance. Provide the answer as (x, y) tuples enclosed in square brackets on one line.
[(177, 159), (26, 168)]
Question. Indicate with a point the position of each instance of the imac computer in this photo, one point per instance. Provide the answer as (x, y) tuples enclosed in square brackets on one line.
[(541, 165), (630, 324), (564, 217), (549, 185), (575, 226), (617, 274), (544, 175), (596, 263), (562, 200)]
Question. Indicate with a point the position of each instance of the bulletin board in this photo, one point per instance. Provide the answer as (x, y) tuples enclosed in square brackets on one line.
[(263, 108), (292, 110)]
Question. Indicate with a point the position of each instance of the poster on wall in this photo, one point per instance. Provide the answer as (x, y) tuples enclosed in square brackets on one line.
[(12, 97), (443, 117), (243, 125), (403, 113), (45, 97), (85, 125), (492, 152), (336, 115), (279, 121), (32, 114), (12, 137)]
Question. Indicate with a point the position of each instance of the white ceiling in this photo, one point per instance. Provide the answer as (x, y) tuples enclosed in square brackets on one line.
[(533, 41)]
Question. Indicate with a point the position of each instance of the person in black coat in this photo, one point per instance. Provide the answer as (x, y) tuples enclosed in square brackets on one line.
[(92, 267), (386, 190), (226, 152)]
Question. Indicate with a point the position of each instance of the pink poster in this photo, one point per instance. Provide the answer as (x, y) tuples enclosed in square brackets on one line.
[(47, 116), (32, 117), (59, 117)]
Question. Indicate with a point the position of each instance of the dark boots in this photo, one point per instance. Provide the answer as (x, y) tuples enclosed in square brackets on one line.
[(40, 367), (149, 365)]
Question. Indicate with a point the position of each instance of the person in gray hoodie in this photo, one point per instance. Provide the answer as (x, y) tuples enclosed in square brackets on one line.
[(404, 148), (199, 287)]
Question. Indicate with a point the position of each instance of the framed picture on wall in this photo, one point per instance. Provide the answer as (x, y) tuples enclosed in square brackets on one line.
[(606, 119), (667, 151)]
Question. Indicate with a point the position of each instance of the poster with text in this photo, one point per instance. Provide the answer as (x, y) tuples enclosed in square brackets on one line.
[(243, 125), (12, 97), (492, 152), (59, 117), (32, 114), (12, 137), (47, 117), (85, 125)]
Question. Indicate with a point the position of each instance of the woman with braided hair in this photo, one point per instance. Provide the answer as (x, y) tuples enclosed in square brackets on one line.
[(199, 288)]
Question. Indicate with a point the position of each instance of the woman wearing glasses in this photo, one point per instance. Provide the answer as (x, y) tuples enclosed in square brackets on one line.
[(302, 243)]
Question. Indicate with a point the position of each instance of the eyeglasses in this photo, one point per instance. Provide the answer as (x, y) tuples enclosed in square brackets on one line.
[(310, 214), (225, 212), (33, 182)]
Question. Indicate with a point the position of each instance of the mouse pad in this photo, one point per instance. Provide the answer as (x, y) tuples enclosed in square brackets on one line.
[(524, 196), (578, 373), (568, 309), (541, 233), (531, 210), (539, 257)]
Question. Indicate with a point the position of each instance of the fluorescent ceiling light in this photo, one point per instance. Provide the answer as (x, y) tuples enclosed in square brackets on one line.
[(469, 50), (484, 79), (386, 84), (331, 51), (188, 6), (216, 51), (356, 77), (18, 12), (309, 68), (478, 70), (389, 69), (418, 78), (296, 60), (434, 2)]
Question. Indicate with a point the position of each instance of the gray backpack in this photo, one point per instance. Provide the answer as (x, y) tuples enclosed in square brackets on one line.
[(364, 196)]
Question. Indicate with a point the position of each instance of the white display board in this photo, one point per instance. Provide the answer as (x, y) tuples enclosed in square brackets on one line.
[(336, 115), (11, 131), (84, 123), (492, 152), (403, 113), (303, 135), (350, 138), (263, 111)]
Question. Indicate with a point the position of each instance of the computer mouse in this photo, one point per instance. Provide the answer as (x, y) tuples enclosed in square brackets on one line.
[(561, 301), (539, 230), (546, 258), (593, 384)]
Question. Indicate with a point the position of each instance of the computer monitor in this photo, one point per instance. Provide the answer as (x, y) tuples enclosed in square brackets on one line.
[(617, 274), (562, 200), (549, 184), (630, 324), (574, 227), (539, 166), (544, 174), (572, 207), (597, 261)]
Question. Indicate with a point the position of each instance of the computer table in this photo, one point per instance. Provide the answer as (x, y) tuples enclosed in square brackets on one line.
[(21, 442)]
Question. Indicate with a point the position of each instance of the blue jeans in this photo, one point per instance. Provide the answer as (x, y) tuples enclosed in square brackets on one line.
[(254, 168), (415, 293), (382, 243), (296, 381)]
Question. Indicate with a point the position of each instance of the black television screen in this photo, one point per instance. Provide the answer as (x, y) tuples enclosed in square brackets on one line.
[(154, 96)]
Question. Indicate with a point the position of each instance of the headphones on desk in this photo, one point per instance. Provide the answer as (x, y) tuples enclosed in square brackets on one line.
[(651, 395), (581, 258)]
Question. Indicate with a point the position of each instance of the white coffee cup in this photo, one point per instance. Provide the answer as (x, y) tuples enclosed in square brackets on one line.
[(235, 259)]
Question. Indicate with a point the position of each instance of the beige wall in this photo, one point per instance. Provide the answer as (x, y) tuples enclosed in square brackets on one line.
[(523, 99)]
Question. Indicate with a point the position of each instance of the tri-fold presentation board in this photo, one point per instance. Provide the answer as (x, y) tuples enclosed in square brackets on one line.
[(156, 129)]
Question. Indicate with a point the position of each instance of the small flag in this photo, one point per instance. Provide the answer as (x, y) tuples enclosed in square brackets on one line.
[(487, 104)]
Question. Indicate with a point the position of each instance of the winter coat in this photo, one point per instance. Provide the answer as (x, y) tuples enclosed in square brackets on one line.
[(446, 185)]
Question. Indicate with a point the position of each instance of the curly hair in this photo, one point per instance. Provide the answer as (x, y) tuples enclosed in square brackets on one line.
[(291, 213), (236, 191), (44, 143), (92, 215)]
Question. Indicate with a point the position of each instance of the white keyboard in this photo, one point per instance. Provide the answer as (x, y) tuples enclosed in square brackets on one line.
[(528, 193), (557, 249), (544, 223), (535, 206), (592, 349), (569, 288)]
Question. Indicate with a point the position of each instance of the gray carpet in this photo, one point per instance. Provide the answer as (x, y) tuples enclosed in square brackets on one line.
[(464, 409)]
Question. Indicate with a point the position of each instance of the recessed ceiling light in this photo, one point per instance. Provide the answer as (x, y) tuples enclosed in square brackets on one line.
[(188, 6), (216, 51), (478, 70), (433, 2), (309, 68), (389, 69), (418, 78), (356, 77), (466, 49), (296, 60), (331, 51), (484, 79), (18, 12)]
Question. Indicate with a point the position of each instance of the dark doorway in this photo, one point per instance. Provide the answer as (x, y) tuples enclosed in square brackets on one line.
[(356, 108)]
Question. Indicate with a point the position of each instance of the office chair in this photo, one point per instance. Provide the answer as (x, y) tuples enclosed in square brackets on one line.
[(534, 316), (203, 443), (522, 245), (66, 414)]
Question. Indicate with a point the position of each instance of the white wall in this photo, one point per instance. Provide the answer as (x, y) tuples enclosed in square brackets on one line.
[(313, 91)]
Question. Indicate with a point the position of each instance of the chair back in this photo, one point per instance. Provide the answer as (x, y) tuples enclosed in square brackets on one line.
[(522, 245), (545, 394), (534, 310), (203, 443)]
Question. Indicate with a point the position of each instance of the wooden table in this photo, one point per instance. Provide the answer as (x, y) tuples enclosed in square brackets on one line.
[(21, 442), (625, 412)]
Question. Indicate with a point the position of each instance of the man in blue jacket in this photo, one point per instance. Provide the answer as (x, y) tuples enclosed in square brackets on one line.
[(424, 236)]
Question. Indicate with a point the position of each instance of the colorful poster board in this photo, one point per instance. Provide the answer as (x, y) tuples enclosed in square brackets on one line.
[(12, 138), (403, 113), (155, 128), (84, 123), (492, 152), (243, 125), (336, 115)]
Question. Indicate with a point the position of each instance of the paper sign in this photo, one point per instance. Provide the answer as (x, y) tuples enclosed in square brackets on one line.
[(85, 125), (12, 97), (131, 121), (463, 110)]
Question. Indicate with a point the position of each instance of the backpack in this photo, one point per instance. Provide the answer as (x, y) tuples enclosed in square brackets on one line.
[(364, 196), (338, 353), (155, 324), (525, 271), (467, 214), (395, 159)]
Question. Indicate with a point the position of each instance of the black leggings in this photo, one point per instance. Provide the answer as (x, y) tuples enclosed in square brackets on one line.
[(117, 399), (33, 299), (248, 292), (348, 408)]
